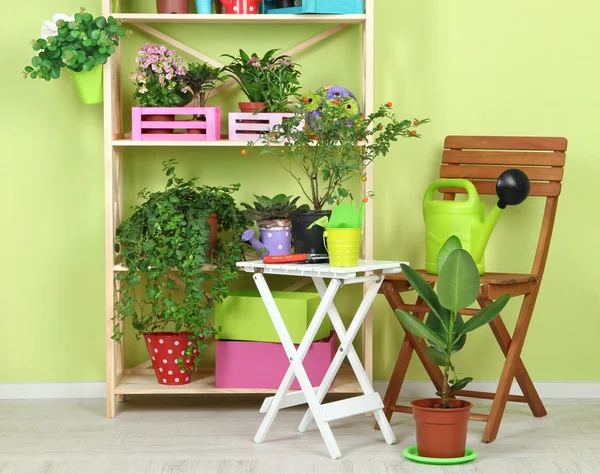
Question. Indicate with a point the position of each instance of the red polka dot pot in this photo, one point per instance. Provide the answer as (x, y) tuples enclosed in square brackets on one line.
[(165, 349)]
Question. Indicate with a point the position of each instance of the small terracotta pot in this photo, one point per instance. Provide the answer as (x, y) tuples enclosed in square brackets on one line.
[(164, 349), (251, 107), (213, 221), (196, 131), (172, 6), (158, 118), (441, 432)]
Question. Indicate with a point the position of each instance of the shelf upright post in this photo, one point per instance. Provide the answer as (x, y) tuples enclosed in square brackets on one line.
[(113, 195), (368, 107)]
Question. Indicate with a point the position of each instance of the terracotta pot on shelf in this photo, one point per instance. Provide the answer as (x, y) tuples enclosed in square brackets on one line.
[(164, 349), (441, 432), (158, 118), (213, 221), (172, 6), (251, 107)]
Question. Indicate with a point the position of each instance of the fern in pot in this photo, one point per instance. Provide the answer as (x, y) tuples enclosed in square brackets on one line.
[(442, 422), (167, 249)]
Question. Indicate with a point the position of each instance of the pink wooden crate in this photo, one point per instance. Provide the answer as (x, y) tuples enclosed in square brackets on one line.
[(246, 364), (210, 125), (250, 127)]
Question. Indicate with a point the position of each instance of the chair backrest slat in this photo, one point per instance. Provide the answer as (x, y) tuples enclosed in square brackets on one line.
[(482, 159)]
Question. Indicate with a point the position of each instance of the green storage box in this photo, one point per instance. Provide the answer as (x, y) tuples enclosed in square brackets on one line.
[(244, 317)]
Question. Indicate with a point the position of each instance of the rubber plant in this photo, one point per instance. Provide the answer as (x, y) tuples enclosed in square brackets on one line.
[(164, 246), (446, 332)]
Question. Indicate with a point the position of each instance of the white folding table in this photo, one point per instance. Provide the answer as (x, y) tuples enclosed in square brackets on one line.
[(367, 271)]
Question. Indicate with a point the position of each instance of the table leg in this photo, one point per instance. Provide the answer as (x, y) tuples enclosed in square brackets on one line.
[(296, 368), (347, 350)]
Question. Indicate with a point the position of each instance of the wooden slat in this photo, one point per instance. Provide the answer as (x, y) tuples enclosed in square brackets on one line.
[(489, 187), (492, 172), (503, 158), (425, 309), (489, 396), (506, 143), (488, 278)]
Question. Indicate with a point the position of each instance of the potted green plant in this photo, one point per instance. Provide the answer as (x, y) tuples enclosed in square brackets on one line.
[(326, 143), (200, 80), (168, 240), (268, 82), (442, 422), (272, 218), (80, 43), (158, 84)]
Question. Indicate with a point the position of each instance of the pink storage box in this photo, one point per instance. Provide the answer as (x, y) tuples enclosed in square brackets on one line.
[(246, 364), (209, 126)]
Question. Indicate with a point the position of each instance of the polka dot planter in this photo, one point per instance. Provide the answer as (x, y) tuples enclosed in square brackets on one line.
[(241, 7), (276, 236), (165, 348)]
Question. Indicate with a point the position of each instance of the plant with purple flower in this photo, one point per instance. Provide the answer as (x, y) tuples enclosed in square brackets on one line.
[(157, 78)]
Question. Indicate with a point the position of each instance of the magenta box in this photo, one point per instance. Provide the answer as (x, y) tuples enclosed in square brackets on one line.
[(249, 364), (208, 125)]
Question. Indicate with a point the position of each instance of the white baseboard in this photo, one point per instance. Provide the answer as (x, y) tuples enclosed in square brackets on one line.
[(410, 389), (564, 390), (15, 391)]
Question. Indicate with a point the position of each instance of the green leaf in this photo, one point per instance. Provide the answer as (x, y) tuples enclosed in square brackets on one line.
[(460, 384), (451, 244), (486, 314), (422, 288), (436, 356), (458, 337), (36, 62), (418, 328), (458, 282), (100, 22), (28, 69)]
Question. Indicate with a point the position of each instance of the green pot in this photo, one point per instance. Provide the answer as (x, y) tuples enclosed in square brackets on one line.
[(89, 85)]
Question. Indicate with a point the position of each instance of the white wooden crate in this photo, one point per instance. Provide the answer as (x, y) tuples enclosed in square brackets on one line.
[(250, 127)]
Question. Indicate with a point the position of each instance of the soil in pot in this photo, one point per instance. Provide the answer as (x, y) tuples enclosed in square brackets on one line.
[(165, 348), (158, 118), (441, 432), (275, 235), (172, 6), (308, 240)]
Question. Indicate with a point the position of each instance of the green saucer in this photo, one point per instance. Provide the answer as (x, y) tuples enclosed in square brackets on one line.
[(412, 454)]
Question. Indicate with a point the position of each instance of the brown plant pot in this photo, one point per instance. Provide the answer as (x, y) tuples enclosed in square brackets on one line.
[(196, 131), (441, 432), (158, 118), (251, 107), (213, 221), (172, 6)]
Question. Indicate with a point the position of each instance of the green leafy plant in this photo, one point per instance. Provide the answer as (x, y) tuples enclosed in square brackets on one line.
[(270, 79), (445, 330), (78, 45), (167, 241), (278, 207), (157, 78), (329, 149), (200, 80)]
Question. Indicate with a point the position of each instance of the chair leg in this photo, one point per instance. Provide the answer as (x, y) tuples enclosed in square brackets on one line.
[(510, 368), (524, 380)]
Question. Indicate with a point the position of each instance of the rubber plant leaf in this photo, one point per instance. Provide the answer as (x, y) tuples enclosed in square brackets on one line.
[(423, 289), (451, 244), (437, 357), (418, 328), (486, 314), (460, 384), (458, 281)]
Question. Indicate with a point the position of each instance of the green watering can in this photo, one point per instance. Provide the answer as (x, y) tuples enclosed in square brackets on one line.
[(466, 219)]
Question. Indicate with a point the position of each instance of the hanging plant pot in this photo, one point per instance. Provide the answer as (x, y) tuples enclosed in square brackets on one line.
[(276, 236), (307, 240), (165, 348), (441, 432), (213, 221), (172, 6), (251, 107), (88, 85)]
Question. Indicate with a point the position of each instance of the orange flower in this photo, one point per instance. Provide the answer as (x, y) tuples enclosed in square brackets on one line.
[(413, 132), (389, 104), (363, 179), (366, 199), (244, 152)]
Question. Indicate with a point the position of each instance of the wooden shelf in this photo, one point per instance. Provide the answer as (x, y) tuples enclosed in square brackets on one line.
[(127, 142), (143, 382), (251, 19), (121, 268)]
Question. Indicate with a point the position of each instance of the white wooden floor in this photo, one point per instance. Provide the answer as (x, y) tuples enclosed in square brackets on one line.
[(212, 435)]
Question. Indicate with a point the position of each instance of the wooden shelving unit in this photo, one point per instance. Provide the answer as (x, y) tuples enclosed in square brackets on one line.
[(119, 380)]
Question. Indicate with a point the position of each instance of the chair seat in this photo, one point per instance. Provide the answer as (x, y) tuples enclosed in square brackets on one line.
[(489, 278)]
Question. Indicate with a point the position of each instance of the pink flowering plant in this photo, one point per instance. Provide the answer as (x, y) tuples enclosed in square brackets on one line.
[(157, 78), (271, 79)]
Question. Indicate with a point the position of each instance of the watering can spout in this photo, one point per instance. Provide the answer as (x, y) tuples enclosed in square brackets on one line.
[(248, 236)]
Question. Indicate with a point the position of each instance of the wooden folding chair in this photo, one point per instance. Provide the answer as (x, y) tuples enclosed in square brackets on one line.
[(481, 160)]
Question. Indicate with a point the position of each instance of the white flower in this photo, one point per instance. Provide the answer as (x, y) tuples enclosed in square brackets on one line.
[(49, 28)]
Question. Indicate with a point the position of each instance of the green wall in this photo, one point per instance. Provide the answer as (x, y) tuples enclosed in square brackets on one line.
[(522, 68)]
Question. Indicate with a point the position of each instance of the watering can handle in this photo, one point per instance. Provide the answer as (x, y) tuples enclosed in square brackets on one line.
[(473, 196)]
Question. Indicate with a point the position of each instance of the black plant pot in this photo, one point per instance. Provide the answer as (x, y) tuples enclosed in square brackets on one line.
[(284, 3), (305, 240)]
